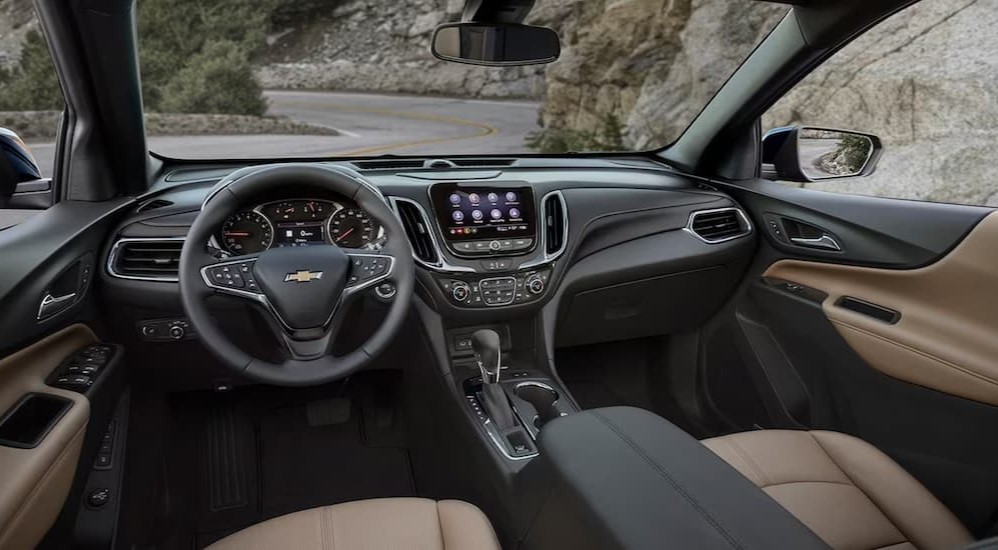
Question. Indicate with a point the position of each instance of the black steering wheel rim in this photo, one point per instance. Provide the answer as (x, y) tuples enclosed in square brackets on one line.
[(318, 366)]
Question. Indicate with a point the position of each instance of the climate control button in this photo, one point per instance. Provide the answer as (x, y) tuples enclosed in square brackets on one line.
[(535, 284), (460, 291)]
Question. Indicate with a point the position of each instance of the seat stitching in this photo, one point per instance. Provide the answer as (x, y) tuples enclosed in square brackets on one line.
[(763, 478), (440, 525), (883, 510), (806, 481), (672, 481), (326, 529)]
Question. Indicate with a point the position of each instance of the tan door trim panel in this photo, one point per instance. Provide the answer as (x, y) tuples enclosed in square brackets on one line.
[(947, 337), (34, 483)]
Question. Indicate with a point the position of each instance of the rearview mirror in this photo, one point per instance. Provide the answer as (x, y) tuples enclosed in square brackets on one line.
[(495, 44), (814, 154)]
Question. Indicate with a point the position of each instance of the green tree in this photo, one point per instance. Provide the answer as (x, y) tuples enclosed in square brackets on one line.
[(31, 85), (218, 79), (174, 38)]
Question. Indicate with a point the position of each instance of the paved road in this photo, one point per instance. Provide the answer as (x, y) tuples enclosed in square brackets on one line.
[(370, 124)]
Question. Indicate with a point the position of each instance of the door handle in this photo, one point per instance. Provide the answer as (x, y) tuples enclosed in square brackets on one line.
[(825, 242), (53, 305)]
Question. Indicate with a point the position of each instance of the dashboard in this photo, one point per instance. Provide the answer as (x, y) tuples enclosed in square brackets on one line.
[(299, 222), (602, 249)]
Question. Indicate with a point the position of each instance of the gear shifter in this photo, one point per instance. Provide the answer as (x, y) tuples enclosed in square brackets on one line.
[(488, 354)]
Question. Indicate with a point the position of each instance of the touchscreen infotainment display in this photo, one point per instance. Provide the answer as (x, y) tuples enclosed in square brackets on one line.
[(467, 212)]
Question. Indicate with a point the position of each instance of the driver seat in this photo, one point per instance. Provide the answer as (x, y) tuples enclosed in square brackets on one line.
[(395, 523)]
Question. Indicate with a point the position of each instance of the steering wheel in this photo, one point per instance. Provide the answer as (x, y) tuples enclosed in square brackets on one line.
[(305, 292)]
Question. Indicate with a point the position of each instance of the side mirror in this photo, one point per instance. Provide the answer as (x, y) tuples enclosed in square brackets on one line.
[(495, 44), (813, 154), (21, 182)]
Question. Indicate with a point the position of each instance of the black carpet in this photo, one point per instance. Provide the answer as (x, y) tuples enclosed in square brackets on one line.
[(232, 460)]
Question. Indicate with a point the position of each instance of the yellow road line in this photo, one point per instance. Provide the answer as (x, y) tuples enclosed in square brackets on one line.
[(483, 129)]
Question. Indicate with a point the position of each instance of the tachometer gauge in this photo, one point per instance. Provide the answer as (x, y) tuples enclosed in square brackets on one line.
[(247, 233), (351, 228)]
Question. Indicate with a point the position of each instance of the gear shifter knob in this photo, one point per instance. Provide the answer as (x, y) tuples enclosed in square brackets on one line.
[(487, 345)]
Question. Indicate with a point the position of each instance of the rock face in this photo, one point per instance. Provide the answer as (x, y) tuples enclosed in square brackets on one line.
[(651, 64), (17, 17), (925, 82)]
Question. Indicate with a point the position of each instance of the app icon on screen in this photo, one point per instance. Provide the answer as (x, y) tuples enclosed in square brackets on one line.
[(496, 213), (477, 214), (458, 215), (514, 212)]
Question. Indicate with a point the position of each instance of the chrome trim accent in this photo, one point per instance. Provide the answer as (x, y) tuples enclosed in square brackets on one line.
[(441, 264), (54, 305), (542, 228), (541, 385), (741, 215), (113, 255), (824, 242)]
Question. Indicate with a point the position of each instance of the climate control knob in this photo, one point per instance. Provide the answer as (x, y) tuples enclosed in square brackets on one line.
[(535, 284), (461, 292)]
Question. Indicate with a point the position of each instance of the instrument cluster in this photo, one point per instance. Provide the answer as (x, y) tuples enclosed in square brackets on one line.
[(299, 222)]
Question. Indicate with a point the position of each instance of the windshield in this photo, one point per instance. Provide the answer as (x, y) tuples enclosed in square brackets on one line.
[(319, 78)]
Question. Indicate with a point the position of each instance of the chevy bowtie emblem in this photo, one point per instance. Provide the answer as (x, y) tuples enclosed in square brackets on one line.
[(303, 276)]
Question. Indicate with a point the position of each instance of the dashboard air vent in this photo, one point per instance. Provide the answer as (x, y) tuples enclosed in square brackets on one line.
[(390, 164), (483, 162), (554, 223), (417, 229), (153, 204), (146, 259), (714, 226)]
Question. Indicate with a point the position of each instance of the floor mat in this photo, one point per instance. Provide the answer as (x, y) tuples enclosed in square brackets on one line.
[(235, 459), (303, 466)]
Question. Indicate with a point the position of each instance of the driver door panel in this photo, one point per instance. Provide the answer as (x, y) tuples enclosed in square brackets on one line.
[(49, 436), (35, 481)]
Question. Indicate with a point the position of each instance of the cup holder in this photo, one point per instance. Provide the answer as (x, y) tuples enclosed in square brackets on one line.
[(542, 397)]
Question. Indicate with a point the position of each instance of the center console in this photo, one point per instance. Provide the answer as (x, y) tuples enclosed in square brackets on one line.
[(496, 243)]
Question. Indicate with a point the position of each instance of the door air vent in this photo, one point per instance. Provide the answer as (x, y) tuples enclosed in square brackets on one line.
[(555, 223), (716, 226), (417, 229), (153, 204), (390, 164), (152, 260)]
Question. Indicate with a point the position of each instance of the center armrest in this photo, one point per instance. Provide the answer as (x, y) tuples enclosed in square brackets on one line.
[(623, 477)]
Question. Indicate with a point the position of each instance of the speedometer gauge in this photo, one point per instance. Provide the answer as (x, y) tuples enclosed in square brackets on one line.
[(247, 233), (351, 228)]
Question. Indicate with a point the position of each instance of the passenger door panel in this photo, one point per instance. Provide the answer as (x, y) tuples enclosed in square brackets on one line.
[(892, 339)]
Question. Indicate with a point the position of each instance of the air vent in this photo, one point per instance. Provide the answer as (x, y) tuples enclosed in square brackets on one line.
[(155, 260), (715, 226), (555, 223), (153, 204), (483, 162), (417, 229), (391, 164)]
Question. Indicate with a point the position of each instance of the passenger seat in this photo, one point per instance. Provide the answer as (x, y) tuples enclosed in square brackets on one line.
[(845, 490)]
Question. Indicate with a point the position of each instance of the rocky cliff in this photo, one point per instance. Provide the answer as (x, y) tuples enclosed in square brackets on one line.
[(924, 81)]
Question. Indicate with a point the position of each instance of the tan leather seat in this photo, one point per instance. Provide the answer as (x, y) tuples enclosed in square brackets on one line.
[(848, 492), (387, 523)]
